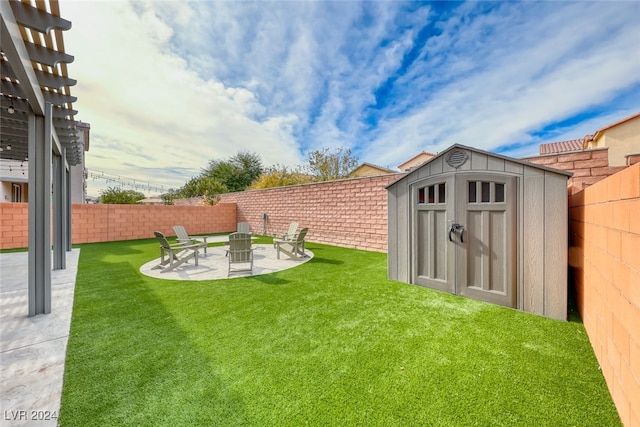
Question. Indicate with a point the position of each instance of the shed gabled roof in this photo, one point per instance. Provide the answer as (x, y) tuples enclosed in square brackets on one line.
[(494, 155)]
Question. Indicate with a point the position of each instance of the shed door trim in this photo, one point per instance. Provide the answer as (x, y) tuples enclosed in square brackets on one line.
[(486, 259), (482, 264), (433, 261)]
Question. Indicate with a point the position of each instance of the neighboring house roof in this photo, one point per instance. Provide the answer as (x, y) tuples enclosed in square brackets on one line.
[(561, 146), (619, 122), (366, 169), (416, 160), (191, 201), (151, 201), (580, 144)]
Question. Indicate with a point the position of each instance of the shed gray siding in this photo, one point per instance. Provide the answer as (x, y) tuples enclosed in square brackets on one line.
[(398, 230), (542, 226)]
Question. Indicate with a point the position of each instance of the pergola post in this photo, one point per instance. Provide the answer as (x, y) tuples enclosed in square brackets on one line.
[(59, 211), (39, 141), (69, 211)]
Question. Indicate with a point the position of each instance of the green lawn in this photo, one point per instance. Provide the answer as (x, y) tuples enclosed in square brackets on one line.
[(332, 342)]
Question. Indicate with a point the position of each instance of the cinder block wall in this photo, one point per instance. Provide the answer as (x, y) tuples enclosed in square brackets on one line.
[(605, 260), (588, 167), (105, 223), (14, 225), (350, 213)]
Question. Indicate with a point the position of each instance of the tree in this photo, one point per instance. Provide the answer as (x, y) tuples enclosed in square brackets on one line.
[(118, 196), (170, 196), (237, 173), (249, 167), (200, 186), (279, 176), (329, 164)]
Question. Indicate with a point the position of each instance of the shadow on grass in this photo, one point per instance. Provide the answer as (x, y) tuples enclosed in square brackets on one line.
[(271, 279), (123, 343), (10, 251), (317, 259), (573, 314), (130, 247)]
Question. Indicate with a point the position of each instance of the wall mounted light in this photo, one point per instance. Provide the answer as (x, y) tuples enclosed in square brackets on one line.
[(11, 110), (8, 146)]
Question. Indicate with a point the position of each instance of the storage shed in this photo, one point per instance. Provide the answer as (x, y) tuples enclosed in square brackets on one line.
[(484, 226)]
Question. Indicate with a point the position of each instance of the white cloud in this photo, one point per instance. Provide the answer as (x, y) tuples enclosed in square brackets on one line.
[(168, 86), (147, 108), (544, 72)]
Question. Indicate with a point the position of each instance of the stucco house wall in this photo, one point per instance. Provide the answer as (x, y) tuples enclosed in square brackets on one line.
[(622, 139), (13, 172), (415, 161), (7, 188)]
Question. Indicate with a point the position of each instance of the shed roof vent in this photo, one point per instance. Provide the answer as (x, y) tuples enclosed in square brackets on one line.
[(456, 158)]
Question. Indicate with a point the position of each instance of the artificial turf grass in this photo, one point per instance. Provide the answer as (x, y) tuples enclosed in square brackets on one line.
[(331, 342)]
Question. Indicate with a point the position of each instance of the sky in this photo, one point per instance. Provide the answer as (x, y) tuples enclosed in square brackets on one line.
[(168, 86)]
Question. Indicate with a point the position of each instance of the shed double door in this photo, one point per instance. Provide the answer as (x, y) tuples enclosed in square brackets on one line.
[(465, 236)]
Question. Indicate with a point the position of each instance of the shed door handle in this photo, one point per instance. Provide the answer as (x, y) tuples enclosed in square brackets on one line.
[(457, 229)]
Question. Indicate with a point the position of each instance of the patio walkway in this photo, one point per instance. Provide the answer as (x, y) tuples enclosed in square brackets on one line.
[(214, 265), (33, 349)]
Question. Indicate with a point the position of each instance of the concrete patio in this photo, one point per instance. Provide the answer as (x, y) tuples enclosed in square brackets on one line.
[(214, 265), (33, 349)]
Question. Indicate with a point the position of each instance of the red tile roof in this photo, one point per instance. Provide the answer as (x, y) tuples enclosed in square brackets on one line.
[(580, 144), (561, 146)]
